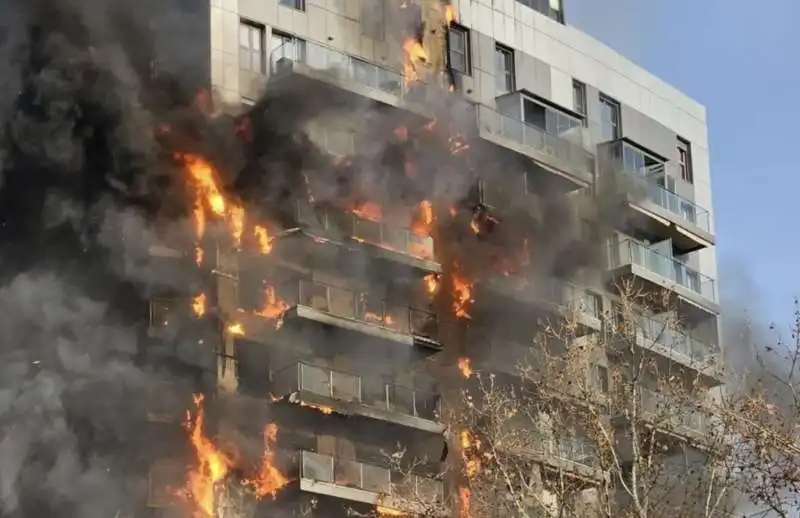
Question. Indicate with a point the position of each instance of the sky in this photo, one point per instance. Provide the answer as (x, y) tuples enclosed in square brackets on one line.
[(742, 63)]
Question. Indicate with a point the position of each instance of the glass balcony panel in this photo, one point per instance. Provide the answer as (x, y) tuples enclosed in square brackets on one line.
[(401, 399), (667, 267), (367, 230), (374, 393), (342, 302), (347, 473), (340, 65), (424, 323), (346, 387), (377, 479), (315, 379), (317, 467)]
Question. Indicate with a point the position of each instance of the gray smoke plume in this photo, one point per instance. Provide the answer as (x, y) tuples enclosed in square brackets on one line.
[(96, 99)]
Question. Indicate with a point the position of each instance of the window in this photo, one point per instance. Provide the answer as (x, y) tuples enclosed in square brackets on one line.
[(546, 118), (550, 8), (251, 47), (458, 39), (579, 100), (610, 118), (504, 69), (300, 5), (685, 160), (600, 375), (286, 46)]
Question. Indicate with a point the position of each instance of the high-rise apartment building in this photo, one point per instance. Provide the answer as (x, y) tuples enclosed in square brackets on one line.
[(324, 334)]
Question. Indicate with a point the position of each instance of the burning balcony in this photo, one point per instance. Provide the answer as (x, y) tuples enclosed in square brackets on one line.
[(629, 259), (165, 480), (370, 484), (307, 384), (649, 184), (557, 149), (670, 343), (343, 76), (550, 297), (358, 311), (392, 242)]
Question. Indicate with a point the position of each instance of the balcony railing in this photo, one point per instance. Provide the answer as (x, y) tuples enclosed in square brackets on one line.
[(675, 341), (390, 236), (339, 65), (678, 205), (357, 305), (631, 252), (558, 147), (368, 477), (664, 407), (342, 386)]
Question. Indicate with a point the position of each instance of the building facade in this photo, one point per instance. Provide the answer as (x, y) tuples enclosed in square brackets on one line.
[(330, 334)]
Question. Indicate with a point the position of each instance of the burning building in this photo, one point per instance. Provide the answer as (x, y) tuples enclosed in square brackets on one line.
[(335, 210)]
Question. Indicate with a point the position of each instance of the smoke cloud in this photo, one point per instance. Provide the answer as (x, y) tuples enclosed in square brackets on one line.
[(95, 103)]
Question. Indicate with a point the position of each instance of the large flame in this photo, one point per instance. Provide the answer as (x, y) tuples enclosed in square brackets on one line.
[(212, 464), (464, 496), (269, 479), (199, 304), (462, 293), (415, 57), (423, 219), (465, 367), (368, 210), (273, 307), (470, 447)]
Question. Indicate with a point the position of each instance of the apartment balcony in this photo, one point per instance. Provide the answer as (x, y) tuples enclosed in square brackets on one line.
[(562, 155), (359, 312), (666, 214), (572, 456), (669, 415), (389, 241), (675, 346), (351, 394), (631, 260), (321, 72), (550, 298), (369, 484)]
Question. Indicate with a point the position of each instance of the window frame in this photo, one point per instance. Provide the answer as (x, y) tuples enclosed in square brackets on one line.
[(685, 160), (299, 45), (616, 109), (505, 55), (579, 101), (298, 5), (256, 32), (464, 33)]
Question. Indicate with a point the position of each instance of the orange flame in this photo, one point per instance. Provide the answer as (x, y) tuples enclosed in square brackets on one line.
[(449, 13), (273, 306), (212, 464), (320, 408), (269, 479), (236, 329), (415, 58), (424, 219), (431, 283), (469, 448), (263, 240), (462, 294), (464, 495), (199, 304), (210, 197), (369, 210), (465, 367)]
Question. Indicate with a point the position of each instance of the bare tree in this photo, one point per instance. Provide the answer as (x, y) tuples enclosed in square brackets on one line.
[(623, 421)]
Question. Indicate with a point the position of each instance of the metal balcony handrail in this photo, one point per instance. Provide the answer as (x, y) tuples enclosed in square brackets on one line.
[(632, 252), (336, 384), (369, 477), (415, 243), (555, 145), (324, 58), (398, 317), (675, 340)]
